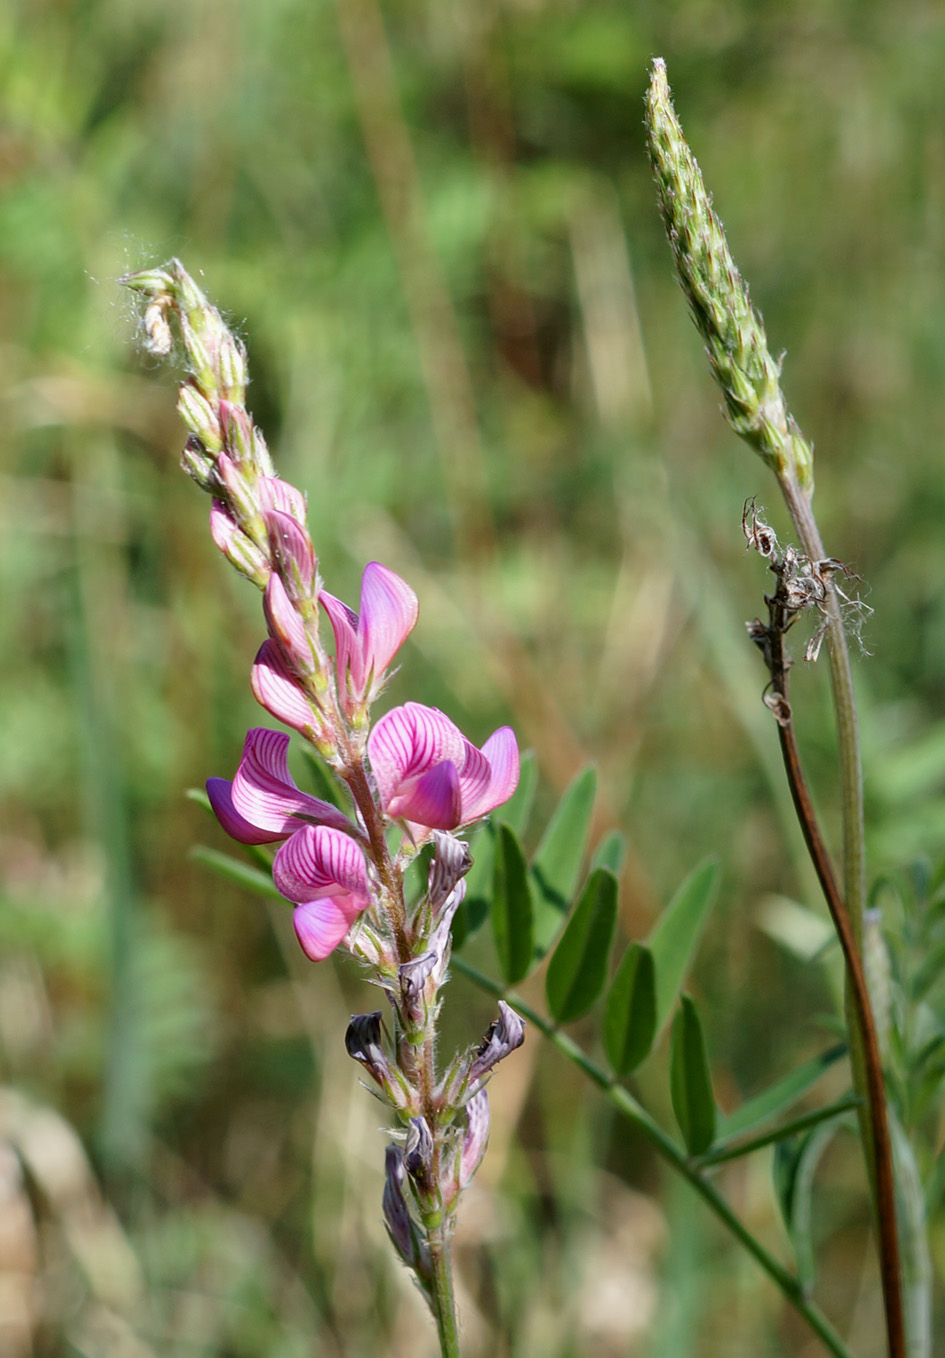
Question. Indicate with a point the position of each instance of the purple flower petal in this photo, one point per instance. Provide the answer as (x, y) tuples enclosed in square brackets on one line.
[(278, 690), (501, 753), (265, 795), (277, 494), (220, 792)]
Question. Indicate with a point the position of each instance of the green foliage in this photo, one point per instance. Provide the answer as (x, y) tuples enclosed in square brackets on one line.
[(630, 1016), (512, 909), (578, 969), (675, 937), (690, 1082), (556, 866)]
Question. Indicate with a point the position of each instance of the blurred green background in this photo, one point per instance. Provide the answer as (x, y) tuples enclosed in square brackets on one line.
[(434, 225)]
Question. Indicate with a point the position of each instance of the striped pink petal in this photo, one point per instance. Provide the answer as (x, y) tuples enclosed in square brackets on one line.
[(324, 872), (220, 792), (389, 612), (320, 926), (500, 753), (277, 494), (265, 795), (278, 690), (406, 743)]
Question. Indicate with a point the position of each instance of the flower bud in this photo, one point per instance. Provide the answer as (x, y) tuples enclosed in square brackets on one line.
[(501, 1038), (232, 368), (199, 416), (237, 430), (418, 1151), (476, 1139), (197, 463), (413, 978)]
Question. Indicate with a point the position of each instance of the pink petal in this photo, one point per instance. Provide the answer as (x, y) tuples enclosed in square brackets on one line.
[(264, 793), (277, 689), (277, 494), (285, 625), (407, 742), (321, 861), (220, 792), (474, 778), (292, 551), (344, 624), (320, 926), (389, 611), (223, 527), (433, 801), (501, 751)]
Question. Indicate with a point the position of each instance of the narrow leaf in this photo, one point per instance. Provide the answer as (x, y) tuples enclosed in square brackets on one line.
[(689, 1082), (578, 970), (611, 852), (774, 1102), (795, 1164), (512, 909), (236, 871), (557, 864), (630, 1014), (675, 937)]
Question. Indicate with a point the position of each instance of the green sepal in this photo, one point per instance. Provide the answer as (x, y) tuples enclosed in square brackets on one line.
[(512, 908), (689, 1081), (630, 1012), (676, 935), (556, 867), (577, 971)]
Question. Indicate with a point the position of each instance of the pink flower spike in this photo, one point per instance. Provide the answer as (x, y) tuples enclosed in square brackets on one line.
[(265, 795), (292, 552), (365, 644), (220, 792), (277, 689), (325, 873), (277, 494), (501, 754)]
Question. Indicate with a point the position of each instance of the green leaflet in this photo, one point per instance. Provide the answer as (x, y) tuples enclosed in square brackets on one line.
[(689, 1082), (557, 864), (675, 937), (630, 1013), (512, 908), (611, 852), (795, 1164), (774, 1101), (253, 879), (577, 971)]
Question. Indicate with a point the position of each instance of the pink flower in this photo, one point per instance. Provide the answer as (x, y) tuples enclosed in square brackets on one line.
[(430, 775), (366, 643), (263, 804), (324, 872)]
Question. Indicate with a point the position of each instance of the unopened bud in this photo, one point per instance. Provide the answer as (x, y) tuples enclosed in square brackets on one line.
[(401, 1227), (232, 368), (197, 463), (237, 429), (200, 418), (413, 977)]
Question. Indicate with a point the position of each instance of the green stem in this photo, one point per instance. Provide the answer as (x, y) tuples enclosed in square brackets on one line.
[(628, 1106), (736, 1149), (444, 1302)]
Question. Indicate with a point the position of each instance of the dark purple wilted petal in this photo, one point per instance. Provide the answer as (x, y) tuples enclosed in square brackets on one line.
[(451, 862), (502, 1036), (418, 1149)]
